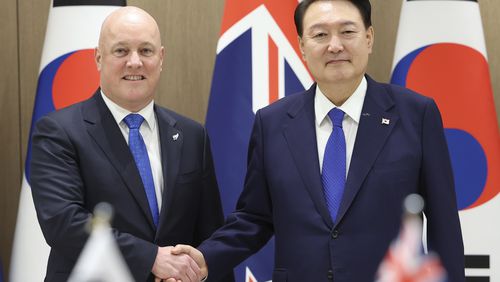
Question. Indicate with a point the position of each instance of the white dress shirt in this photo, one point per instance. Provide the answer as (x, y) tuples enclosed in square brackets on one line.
[(352, 109), (150, 135)]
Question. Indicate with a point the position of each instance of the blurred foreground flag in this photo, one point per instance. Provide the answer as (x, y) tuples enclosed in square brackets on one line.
[(101, 259), (67, 75), (405, 260), (258, 61), (440, 52)]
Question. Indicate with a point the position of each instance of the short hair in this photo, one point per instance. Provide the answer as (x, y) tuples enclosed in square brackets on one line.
[(364, 7)]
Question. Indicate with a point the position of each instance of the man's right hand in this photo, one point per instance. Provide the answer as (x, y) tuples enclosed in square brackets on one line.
[(195, 254), (180, 266)]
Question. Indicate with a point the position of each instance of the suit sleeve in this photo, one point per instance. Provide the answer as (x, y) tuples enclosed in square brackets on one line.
[(210, 215), (249, 227), (444, 235), (59, 197)]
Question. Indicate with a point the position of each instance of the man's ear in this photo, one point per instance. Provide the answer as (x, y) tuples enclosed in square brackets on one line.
[(97, 58), (301, 46), (370, 37), (162, 55)]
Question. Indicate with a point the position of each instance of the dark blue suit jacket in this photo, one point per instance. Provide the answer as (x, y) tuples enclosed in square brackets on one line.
[(80, 158), (283, 194)]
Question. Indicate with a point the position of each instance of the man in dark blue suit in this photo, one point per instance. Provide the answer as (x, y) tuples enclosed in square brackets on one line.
[(335, 205), (163, 188)]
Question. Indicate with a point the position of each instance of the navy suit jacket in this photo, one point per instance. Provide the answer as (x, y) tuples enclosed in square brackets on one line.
[(80, 158), (283, 194)]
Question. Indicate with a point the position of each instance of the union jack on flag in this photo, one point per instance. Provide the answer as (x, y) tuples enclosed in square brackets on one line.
[(258, 61), (405, 260)]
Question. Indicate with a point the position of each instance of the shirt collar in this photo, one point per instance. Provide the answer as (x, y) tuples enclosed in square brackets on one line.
[(352, 107), (120, 113)]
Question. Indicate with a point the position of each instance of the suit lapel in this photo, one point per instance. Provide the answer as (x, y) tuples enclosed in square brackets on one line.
[(300, 135), (372, 134), (103, 128), (171, 140)]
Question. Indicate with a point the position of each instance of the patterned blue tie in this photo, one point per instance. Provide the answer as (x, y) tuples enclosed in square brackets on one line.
[(140, 153), (334, 164)]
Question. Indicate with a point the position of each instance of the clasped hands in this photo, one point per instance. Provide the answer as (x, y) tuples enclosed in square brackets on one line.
[(181, 263)]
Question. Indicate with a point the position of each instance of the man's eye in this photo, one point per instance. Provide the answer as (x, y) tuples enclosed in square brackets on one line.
[(120, 52), (320, 35), (147, 52)]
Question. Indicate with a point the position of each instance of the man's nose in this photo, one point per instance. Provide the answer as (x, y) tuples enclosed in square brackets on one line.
[(335, 44), (134, 60)]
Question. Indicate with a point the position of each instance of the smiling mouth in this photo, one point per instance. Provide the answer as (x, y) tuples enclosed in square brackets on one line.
[(337, 61), (134, 77)]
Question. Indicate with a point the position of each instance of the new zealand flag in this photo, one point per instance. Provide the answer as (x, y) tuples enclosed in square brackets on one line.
[(258, 61)]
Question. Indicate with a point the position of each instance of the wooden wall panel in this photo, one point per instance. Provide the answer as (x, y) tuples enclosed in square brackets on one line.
[(32, 20), (10, 156), (33, 16), (385, 19), (490, 9)]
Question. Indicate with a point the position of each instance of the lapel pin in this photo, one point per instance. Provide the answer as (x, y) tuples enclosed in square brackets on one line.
[(365, 114), (385, 121), (175, 136)]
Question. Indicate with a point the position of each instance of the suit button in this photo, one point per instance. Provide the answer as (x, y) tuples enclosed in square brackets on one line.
[(330, 275), (335, 234)]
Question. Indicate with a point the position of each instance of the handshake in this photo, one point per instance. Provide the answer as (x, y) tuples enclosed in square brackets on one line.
[(179, 263)]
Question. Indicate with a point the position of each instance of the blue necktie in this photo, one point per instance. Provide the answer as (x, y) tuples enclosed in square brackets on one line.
[(140, 153), (334, 164)]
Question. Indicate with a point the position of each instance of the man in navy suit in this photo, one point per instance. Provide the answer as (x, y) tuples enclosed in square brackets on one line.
[(394, 145), (81, 157)]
